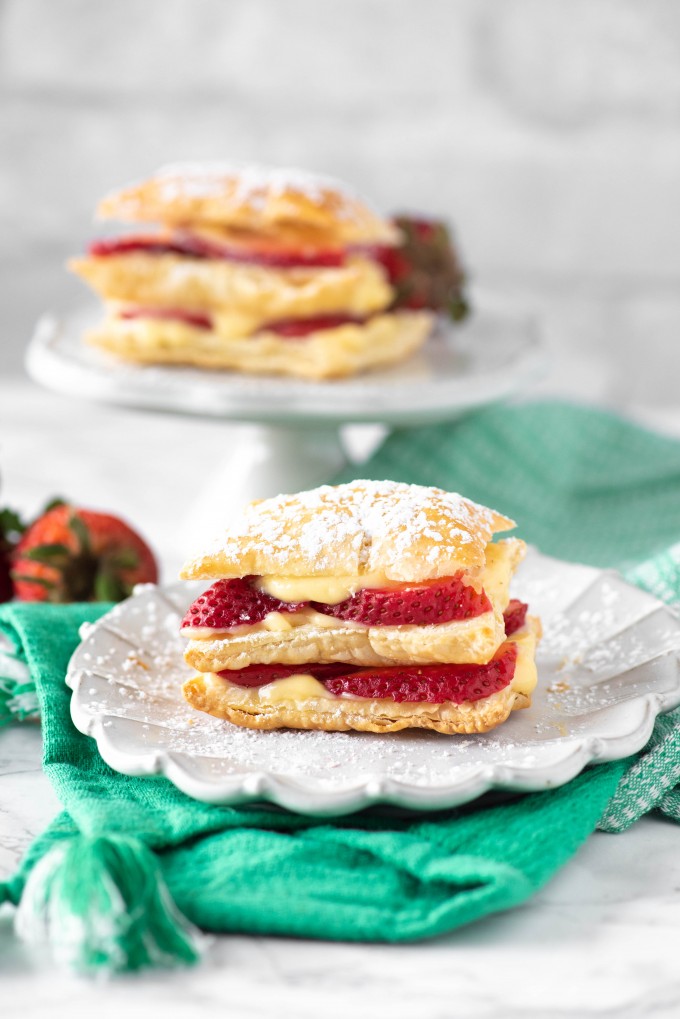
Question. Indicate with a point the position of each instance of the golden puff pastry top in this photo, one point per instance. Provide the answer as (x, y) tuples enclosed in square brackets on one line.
[(250, 198), (404, 532)]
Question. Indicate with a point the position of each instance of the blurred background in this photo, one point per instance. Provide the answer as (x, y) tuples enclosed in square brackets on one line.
[(545, 130)]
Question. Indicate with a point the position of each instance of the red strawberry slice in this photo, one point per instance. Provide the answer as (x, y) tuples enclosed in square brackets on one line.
[(237, 602), (293, 328), (432, 683), (234, 603), (438, 602), (515, 616), (262, 253), (191, 318), (150, 245), (191, 246), (259, 675)]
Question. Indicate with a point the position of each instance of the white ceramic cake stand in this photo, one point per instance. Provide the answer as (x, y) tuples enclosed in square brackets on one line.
[(289, 435)]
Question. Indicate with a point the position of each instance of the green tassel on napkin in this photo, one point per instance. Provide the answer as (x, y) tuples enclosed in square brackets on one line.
[(102, 904)]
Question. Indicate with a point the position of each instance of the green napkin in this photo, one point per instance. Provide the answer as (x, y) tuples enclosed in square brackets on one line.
[(122, 876)]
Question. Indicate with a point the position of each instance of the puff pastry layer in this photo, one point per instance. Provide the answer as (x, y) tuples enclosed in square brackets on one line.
[(461, 641), (325, 354), (210, 693), (408, 533), (262, 293), (250, 198)]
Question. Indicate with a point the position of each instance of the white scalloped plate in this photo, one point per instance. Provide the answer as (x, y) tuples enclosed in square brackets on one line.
[(608, 665)]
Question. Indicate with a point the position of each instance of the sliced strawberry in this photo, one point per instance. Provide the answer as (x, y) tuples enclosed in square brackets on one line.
[(438, 602), (70, 554), (149, 244), (191, 246), (234, 603), (413, 683), (237, 603), (515, 616), (263, 252), (293, 328), (434, 684), (260, 675), (288, 328), (191, 318)]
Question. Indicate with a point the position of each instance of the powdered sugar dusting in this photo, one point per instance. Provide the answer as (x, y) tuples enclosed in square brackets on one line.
[(206, 180), (215, 191), (347, 528)]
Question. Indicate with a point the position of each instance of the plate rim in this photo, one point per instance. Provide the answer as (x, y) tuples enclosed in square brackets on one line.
[(260, 786)]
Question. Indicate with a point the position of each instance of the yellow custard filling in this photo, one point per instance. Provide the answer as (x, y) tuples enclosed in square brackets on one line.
[(300, 687), (525, 677), (502, 559), (329, 590)]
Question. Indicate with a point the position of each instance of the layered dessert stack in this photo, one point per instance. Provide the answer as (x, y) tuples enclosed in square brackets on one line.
[(372, 605), (273, 271)]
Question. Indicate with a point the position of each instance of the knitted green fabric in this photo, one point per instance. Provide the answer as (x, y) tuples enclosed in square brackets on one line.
[(104, 884)]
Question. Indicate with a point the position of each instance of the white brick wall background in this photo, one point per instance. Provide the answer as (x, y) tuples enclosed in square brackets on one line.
[(546, 130)]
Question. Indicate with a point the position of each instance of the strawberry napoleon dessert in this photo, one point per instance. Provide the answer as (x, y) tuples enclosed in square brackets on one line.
[(373, 605), (256, 270)]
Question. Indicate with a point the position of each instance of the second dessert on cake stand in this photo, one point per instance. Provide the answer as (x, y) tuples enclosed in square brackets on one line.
[(282, 301)]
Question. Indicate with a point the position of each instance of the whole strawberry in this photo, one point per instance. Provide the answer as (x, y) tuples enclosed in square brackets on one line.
[(11, 529), (425, 268), (70, 554)]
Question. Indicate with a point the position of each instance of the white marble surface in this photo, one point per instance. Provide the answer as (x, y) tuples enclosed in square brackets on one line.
[(600, 939)]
